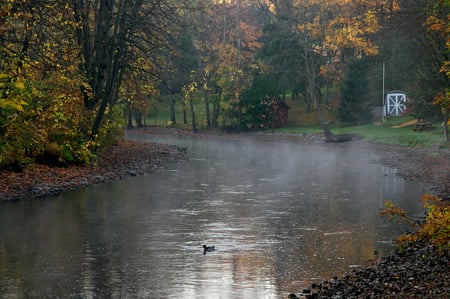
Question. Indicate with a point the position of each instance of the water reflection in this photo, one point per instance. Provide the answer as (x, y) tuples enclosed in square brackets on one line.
[(280, 214)]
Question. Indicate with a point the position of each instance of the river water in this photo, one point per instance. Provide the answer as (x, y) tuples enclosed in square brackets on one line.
[(281, 215)]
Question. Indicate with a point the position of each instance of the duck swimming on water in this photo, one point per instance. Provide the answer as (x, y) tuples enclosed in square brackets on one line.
[(208, 249)]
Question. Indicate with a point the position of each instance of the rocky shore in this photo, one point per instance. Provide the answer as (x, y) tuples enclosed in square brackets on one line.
[(126, 158), (428, 165), (421, 271)]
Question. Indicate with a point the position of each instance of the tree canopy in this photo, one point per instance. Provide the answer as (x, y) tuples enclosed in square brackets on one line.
[(69, 69)]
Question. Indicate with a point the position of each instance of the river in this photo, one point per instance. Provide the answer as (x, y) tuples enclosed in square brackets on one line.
[(281, 214)]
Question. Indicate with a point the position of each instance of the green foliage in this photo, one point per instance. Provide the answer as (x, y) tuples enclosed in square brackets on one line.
[(429, 84), (260, 102), (280, 51), (112, 128), (435, 228), (354, 102)]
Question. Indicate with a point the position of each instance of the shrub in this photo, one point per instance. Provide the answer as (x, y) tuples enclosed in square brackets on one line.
[(434, 228)]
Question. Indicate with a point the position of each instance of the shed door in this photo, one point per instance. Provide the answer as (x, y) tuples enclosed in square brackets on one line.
[(395, 103)]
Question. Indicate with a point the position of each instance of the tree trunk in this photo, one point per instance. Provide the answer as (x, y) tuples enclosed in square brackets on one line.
[(216, 109), (446, 124), (238, 33), (184, 113), (138, 118), (207, 113), (194, 127), (99, 118), (172, 108), (330, 137), (327, 94), (102, 37), (308, 103), (129, 116)]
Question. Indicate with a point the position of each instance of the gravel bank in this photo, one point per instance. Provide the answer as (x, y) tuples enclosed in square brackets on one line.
[(421, 271), (124, 159), (430, 165)]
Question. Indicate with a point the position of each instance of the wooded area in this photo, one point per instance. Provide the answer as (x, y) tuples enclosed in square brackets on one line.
[(72, 71)]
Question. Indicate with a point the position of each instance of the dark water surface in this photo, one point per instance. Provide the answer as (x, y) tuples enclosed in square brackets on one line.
[(281, 215)]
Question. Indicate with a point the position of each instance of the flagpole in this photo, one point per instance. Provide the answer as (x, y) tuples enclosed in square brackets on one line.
[(382, 98)]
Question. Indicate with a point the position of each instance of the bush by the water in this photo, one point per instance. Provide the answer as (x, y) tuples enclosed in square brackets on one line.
[(435, 228)]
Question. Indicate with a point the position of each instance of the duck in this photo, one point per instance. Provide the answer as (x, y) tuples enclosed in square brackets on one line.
[(208, 249)]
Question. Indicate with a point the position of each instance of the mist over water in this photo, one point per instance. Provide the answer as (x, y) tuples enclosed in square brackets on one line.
[(281, 215)]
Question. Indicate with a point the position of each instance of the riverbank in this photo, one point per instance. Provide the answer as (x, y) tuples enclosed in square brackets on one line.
[(428, 165), (124, 159), (421, 271)]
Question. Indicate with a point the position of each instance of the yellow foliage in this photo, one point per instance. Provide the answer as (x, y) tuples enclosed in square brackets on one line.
[(435, 228), (11, 93)]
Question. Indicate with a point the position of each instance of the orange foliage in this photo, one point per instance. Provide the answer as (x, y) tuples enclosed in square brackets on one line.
[(440, 25), (435, 228)]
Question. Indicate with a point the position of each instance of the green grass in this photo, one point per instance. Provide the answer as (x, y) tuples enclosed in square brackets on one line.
[(306, 129), (382, 133), (400, 136)]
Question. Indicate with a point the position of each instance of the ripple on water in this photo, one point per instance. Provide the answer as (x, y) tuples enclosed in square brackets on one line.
[(336, 233), (185, 212)]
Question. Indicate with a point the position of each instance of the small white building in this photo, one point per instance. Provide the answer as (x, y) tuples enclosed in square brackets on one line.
[(395, 103)]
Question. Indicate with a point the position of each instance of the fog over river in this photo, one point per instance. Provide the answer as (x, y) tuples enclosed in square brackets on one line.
[(281, 214)]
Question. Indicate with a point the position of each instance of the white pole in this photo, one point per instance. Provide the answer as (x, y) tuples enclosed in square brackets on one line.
[(382, 98)]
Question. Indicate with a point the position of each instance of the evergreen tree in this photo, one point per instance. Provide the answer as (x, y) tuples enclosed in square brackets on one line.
[(355, 94)]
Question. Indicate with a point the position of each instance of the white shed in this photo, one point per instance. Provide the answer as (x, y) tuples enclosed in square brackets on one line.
[(395, 103)]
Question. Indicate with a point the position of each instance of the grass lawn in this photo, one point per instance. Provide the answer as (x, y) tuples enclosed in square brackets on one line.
[(390, 132)]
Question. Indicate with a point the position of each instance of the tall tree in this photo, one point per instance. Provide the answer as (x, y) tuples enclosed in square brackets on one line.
[(355, 94), (109, 32), (280, 51)]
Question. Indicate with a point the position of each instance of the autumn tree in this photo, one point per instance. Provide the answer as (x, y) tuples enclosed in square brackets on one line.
[(225, 38), (40, 99), (135, 91), (176, 69), (236, 53), (109, 32)]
